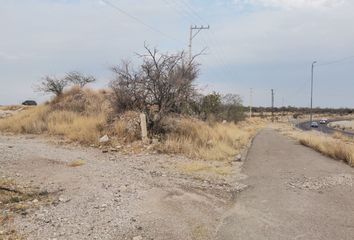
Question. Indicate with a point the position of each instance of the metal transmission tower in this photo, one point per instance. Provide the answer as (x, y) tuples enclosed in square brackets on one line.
[(192, 35), (272, 91)]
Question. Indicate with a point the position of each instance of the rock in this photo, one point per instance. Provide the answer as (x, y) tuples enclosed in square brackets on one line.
[(104, 139), (155, 141), (35, 201), (64, 199), (238, 158), (138, 238)]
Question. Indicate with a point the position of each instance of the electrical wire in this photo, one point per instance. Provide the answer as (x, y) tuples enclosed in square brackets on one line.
[(110, 4), (336, 61)]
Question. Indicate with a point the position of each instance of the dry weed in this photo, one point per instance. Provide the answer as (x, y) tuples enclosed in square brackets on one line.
[(76, 163), (218, 141), (336, 146)]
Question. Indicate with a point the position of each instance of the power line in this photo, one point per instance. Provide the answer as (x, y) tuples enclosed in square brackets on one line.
[(336, 61), (192, 14), (140, 21), (180, 10)]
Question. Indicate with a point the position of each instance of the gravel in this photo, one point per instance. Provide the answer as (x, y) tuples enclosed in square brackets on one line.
[(115, 196)]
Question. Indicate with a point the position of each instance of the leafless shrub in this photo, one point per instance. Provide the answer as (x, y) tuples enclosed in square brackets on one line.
[(163, 84), (79, 79), (51, 84)]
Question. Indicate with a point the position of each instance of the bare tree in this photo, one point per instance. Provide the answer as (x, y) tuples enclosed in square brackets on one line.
[(52, 85), (80, 79), (163, 84)]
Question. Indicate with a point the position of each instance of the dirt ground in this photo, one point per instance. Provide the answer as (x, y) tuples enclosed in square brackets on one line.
[(113, 196)]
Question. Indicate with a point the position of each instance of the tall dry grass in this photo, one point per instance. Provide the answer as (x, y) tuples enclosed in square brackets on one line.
[(210, 141), (336, 146), (79, 115)]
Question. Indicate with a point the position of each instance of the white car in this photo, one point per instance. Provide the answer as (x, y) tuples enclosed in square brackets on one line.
[(323, 121)]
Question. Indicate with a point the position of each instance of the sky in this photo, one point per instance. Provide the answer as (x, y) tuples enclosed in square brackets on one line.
[(258, 44)]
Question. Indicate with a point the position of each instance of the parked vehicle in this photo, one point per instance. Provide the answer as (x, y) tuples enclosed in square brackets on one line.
[(323, 121), (314, 125), (29, 103)]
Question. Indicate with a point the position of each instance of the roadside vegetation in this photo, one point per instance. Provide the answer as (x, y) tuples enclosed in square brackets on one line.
[(345, 125), (180, 120), (336, 146)]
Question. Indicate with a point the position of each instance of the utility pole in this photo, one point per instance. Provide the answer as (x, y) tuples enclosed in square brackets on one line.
[(251, 101), (312, 68), (272, 91), (192, 35)]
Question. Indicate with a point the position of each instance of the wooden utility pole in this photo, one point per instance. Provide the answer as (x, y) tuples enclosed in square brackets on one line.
[(272, 91), (192, 35)]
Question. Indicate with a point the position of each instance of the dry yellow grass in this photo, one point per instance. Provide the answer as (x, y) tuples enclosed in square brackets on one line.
[(79, 115), (336, 146), (76, 163), (217, 141)]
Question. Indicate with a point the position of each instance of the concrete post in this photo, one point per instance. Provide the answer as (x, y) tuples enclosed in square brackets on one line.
[(144, 133)]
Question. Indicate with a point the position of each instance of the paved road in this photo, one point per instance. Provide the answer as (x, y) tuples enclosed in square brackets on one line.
[(294, 193), (323, 128)]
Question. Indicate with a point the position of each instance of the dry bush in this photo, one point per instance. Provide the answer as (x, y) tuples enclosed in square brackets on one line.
[(163, 84), (84, 101), (216, 141)]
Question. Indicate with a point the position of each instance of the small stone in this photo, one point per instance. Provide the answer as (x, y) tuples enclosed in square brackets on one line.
[(238, 158), (64, 200), (138, 238), (35, 201), (104, 139)]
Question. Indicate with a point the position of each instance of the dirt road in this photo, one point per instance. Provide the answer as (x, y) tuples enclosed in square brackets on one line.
[(293, 193)]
